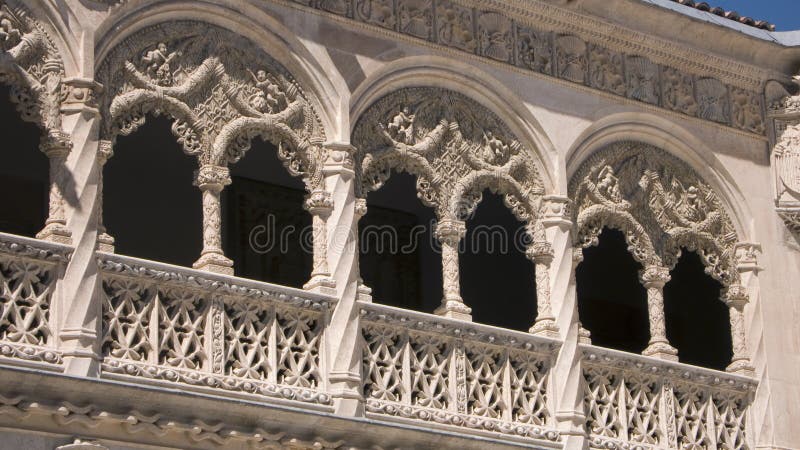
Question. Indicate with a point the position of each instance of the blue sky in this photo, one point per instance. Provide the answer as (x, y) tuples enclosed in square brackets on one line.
[(785, 14)]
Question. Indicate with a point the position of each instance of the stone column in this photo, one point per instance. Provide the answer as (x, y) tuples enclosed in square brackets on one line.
[(319, 204), (654, 278), (449, 232), (541, 253), (56, 145), (567, 372), (736, 298), (211, 180), (105, 242), (344, 330), (80, 308)]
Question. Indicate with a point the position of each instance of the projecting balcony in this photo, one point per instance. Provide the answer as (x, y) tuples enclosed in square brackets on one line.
[(196, 332)]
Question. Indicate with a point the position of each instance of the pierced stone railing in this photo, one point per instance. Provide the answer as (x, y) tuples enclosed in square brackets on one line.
[(30, 270), (163, 323), (426, 368), (636, 402)]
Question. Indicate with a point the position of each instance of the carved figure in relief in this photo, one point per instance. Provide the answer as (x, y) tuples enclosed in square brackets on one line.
[(678, 94), (380, 12), (401, 128), (9, 34), (602, 185), (606, 68), (158, 64), (534, 51), (416, 17), (455, 27), (495, 36), (712, 97), (746, 111), (495, 152), (269, 96), (679, 206), (571, 58)]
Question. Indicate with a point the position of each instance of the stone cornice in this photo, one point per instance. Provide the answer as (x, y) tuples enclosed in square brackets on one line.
[(697, 84)]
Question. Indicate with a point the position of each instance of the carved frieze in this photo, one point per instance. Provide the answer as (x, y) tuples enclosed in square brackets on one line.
[(500, 35), (784, 114), (659, 203), (220, 90), (455, 147)]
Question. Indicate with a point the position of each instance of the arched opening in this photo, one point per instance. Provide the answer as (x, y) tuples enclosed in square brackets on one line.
[(612, 303), (265, 229), (497, 280), (24, 173), (697, 321), (151, 206), (399, 257)]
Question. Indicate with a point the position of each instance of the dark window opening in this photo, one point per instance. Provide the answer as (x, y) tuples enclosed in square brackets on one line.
[(612, 303), (399, 258), (266, 231), (24, 172), (151, 206), (697, 321), (497, 280)]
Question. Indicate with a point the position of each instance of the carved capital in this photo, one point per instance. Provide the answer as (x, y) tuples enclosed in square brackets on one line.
[(540, 252), (56, 144), (746, 254), (556, 211), (105, 150), (79, 94), (319, 203), (214, 178), (450, 231), (340, 157), (736, 296), (654, 276)]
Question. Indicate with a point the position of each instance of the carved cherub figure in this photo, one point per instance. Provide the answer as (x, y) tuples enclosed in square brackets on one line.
[(269, 96), (9, 35), (158, 63), (401, 128), (608, 184)]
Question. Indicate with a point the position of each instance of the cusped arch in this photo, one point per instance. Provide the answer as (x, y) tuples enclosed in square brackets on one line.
[(221, 90), (455, 146), (479, 86), (32, 66), (650, 189)]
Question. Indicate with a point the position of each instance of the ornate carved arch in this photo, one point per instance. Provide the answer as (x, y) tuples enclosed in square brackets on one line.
[(649, 193), (31, 65), (456, 147), (220, 89)]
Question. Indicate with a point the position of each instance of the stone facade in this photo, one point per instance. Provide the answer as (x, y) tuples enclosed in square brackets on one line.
[(578, 119)]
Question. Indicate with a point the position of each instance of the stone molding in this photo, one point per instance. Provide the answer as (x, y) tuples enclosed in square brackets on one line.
[(555, 42)]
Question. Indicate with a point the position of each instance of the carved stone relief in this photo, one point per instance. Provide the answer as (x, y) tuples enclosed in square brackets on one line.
[(500, 36), (454, 146), (220, 89), (659, 203), (31, 66), (784, 113)]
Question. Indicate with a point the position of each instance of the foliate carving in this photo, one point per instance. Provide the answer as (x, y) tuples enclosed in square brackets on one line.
[(642, 79), (712, 100), (605, 70), (30, 64), (455, 26), (660, 204), (495, 36), (455, 147), (220, 89), (534, 50), (571, 58)]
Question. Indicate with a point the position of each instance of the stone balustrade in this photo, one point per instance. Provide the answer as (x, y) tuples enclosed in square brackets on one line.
[(30, 271), (451, 373), (198, 331), (207, 331), (637, 402)]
